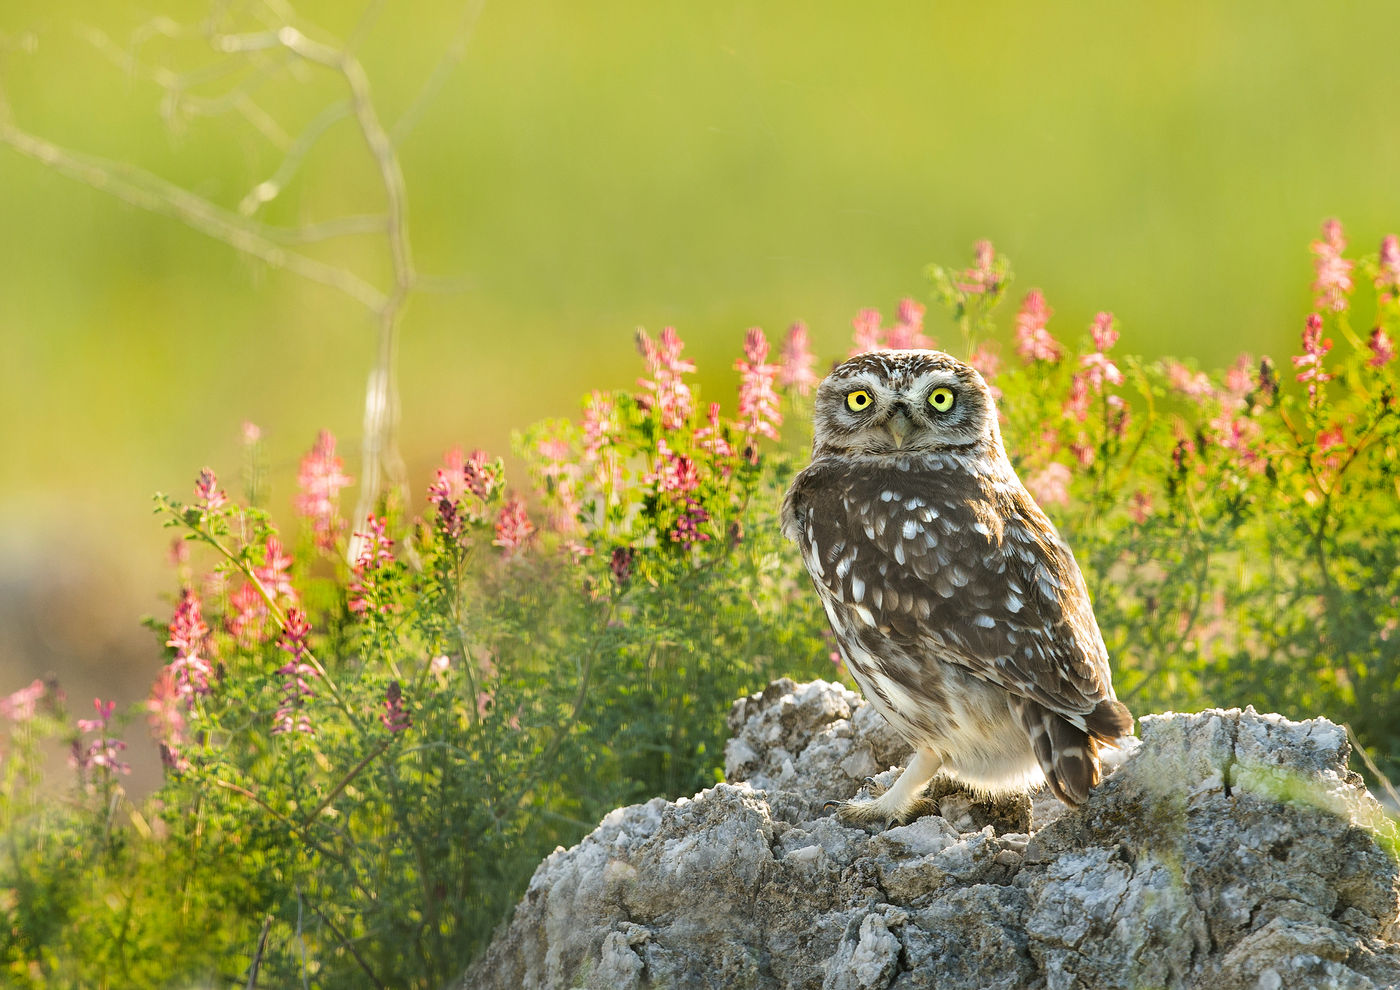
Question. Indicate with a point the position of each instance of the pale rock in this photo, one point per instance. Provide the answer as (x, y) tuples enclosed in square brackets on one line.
[(1230, 850)]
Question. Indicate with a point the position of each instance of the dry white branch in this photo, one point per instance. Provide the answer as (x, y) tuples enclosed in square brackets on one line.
[(252, 61)]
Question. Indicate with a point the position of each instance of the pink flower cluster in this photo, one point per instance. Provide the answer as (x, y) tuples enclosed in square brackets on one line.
[(275, 572), (759, 414), (319, 481), (982, 277), (1033, 340), (513, 527), (291, 715), (376, 551), (1382, 348), (1388, 269), (103, 750), (687, 531), (798, 361), (907, 332), (668, 395), (711, 438), (206, 490), (189, 637), (675, 472), (22, 705), (1333, 283), (1315, 348)]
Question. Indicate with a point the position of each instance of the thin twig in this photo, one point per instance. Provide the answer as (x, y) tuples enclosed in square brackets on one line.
[(349, 945), (1381, 778), (257, 956)]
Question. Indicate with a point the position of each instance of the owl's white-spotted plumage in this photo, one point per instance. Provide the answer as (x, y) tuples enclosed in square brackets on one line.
[(959, 610)]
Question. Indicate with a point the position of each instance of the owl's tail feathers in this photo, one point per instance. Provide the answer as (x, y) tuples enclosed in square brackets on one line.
[(1109, 721), (1068, 754)]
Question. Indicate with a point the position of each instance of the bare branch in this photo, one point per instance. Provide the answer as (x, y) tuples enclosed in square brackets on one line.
[(454, 53), (150, 192), (269, 189)]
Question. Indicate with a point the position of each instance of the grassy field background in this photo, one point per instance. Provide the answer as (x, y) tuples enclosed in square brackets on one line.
[(588, 168)]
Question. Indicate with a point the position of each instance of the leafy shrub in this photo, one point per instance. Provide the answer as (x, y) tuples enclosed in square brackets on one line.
[(371, 737)]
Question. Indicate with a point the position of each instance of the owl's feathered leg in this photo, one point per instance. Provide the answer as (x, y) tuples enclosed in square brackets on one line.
[(895, 805)]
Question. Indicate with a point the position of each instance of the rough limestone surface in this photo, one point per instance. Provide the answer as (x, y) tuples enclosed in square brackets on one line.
[(1231, 850)]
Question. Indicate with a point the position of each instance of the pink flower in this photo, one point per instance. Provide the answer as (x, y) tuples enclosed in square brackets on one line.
[(102, 751), (484, 701), (1033, 341), (1098, 369), (711, 438), (482, 478), (513, 527), (1315, 348), (867, 335), (206, 489), (1239, 379), (1333, 281), (295, 633), (674, 472), (376, 551), (1076, 405), (982, 276), (1104, 332), (245, 622), (669, 396), (758, 402), (22, 704), (395, 717), (600, 425), (687, 529), (291, 715), (1237, 435), (1192, 384), (319, 482), (986, 360), (1388, 273), (274, 573), (1382, 348), (798, 361), (165, 714), (189, 638), (908, 331), (450, 483), (1050, 485), (1331, 438)]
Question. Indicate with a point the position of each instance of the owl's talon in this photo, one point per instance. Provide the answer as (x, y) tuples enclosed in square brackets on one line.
[(875, 788), (863, 814)]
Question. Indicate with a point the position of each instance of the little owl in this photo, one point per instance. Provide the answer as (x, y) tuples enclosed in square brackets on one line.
[(958, 609)]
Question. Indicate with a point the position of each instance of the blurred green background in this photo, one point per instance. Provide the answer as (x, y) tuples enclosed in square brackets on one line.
[(589, 167)]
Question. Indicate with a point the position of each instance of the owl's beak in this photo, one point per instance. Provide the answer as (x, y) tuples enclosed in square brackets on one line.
[(899, 425)]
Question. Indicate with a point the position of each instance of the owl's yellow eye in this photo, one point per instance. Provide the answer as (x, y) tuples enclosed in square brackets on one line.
[(941, 399), (858, 401)]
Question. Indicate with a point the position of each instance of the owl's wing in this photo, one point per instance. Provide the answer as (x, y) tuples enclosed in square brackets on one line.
[(948, 564)]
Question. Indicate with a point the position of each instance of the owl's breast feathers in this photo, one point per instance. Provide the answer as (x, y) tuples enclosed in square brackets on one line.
[(951, 564)]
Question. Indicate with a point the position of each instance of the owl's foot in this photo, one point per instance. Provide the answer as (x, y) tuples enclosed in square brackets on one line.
[(892, 806)]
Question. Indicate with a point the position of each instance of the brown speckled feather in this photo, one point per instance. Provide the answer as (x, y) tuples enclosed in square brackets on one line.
[(984, 581)]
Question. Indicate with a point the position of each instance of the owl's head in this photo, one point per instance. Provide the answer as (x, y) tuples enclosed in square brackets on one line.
[(903, 402)]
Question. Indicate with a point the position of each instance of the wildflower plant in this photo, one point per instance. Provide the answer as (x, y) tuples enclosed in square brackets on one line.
[(371, 733)]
